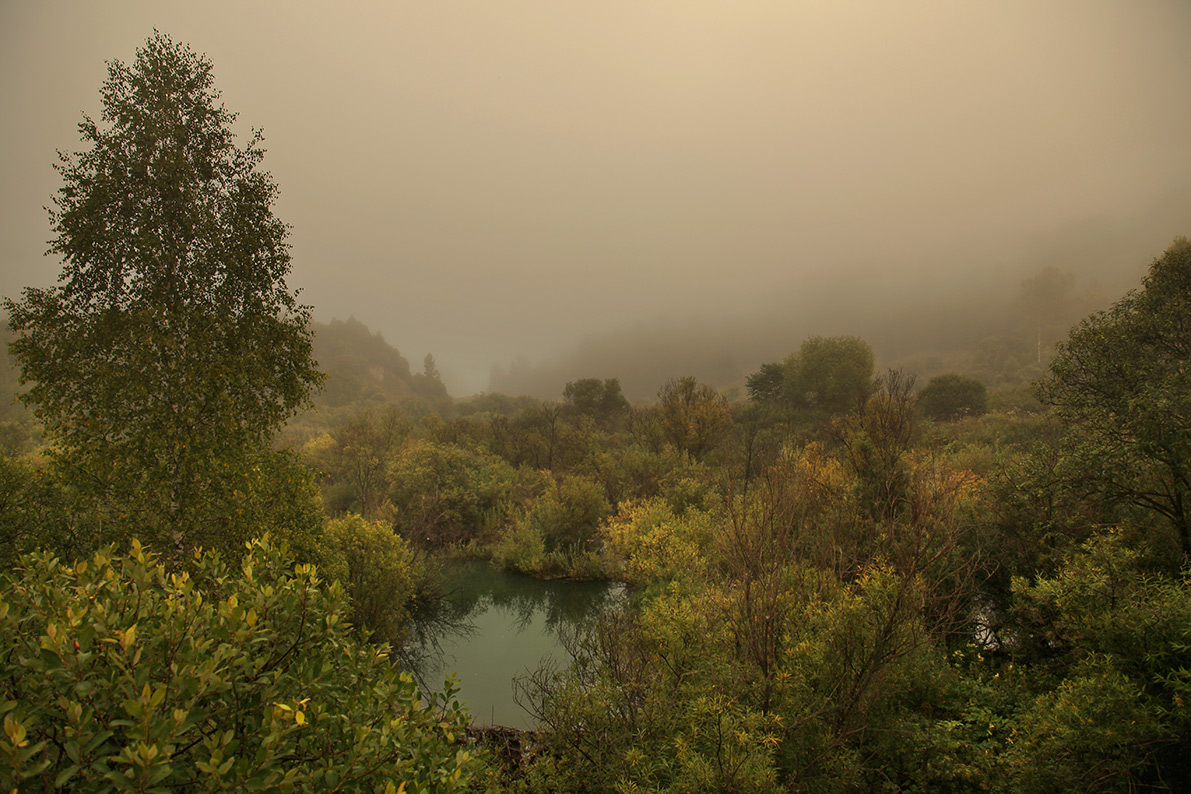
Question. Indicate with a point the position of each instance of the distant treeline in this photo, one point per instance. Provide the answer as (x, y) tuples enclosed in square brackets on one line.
[(997, 321)]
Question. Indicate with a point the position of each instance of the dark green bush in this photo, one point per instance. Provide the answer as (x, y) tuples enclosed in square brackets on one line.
[(951, 396), (118, 675), (569, 513)]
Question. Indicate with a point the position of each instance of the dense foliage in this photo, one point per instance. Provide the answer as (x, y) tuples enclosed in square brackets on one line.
[(831, 373), (825, 374), (1122, 386), (118, 675)]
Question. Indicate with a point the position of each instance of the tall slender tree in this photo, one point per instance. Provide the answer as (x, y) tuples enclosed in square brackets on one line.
[(171, 349)]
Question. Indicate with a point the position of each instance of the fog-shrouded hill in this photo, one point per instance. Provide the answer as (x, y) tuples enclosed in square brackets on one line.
[(998, 317), (361, 367)]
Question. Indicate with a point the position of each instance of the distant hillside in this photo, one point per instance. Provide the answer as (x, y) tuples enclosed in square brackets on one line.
[(362, 367)]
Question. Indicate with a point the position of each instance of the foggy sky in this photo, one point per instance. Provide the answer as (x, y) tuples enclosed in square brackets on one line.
[(493, 180)]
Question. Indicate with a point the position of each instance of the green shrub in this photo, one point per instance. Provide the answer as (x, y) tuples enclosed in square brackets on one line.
[(117, 675), (46, 506), (1096, 731), (1117, 634), (569, 513), (379, 571), (448, 494), (951, 396), (555, 535), (522, 548), (36, 512), (829, 373)]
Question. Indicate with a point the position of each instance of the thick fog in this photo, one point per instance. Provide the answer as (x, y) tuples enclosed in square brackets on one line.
[(534, 181)]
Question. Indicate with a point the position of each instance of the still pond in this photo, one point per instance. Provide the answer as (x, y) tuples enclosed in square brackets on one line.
[(494, 626)]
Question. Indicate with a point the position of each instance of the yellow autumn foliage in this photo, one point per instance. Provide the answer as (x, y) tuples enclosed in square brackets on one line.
[(648, 541)]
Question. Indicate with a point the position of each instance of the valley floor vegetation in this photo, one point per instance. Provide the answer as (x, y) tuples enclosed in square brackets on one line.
[(843, 583)]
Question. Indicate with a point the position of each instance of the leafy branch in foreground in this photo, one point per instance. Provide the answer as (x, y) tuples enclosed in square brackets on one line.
[(116, 675)]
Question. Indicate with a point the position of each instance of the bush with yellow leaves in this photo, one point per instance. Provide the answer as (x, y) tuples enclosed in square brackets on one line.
[(647, 541)]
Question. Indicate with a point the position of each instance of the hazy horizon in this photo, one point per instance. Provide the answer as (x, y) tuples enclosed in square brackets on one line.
[(509, 181)]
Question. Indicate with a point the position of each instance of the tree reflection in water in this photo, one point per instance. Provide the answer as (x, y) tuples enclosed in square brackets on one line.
[(491, 626)]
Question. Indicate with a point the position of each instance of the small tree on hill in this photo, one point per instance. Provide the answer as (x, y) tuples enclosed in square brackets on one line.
[(171, 350), (767, 383), (952, 395), (830, 373), (693, 415)]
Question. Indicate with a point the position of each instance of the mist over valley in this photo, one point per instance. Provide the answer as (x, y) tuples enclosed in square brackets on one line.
[(518, 189)]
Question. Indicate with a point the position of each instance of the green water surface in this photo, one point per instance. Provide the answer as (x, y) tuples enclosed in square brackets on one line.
[(496, 626)]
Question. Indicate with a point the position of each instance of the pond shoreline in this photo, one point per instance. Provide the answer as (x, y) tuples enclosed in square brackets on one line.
[(554, 569), (511, 749)]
